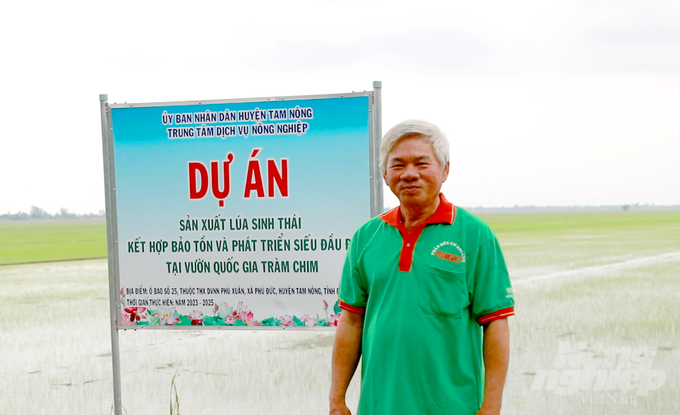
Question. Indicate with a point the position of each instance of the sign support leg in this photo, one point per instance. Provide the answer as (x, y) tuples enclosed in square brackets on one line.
[(111, 244), (377, 182)]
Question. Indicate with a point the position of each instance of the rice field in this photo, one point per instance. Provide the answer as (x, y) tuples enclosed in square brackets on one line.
[(51, 240), (596, 332)]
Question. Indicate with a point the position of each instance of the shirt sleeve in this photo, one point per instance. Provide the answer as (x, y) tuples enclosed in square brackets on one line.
[(353, 291), (492, 297)]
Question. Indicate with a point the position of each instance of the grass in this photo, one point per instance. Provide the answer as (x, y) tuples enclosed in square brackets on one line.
[(174, 396), (541, 243), (629, 309), (54, 339), (55, 345), (632, 309), (48, 240)]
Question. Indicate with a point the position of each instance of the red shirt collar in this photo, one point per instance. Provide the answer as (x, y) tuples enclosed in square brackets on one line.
[(445, 213)]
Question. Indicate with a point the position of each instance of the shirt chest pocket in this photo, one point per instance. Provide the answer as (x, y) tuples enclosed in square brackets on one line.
[(443, 292)]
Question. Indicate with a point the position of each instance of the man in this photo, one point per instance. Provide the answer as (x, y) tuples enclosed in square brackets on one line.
[(420, 285)]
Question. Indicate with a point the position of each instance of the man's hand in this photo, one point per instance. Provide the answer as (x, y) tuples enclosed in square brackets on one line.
[(483, 411), (339, 409)]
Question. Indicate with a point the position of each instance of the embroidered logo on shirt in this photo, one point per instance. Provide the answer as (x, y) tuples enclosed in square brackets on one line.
[(448, 256)]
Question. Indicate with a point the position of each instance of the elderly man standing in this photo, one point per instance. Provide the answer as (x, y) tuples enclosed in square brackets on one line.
[(426, 295)]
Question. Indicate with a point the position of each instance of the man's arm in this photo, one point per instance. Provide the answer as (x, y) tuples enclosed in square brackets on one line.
[(496, 358), (346, 354)]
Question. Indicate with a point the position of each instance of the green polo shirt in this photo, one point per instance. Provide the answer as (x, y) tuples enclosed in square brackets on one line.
[(425, 295)]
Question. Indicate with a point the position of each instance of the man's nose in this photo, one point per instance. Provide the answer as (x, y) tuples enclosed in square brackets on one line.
[(410, 173)]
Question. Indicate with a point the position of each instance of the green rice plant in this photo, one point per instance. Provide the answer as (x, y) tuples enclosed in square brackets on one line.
[(174, 405), (51, 240), (542, 242)]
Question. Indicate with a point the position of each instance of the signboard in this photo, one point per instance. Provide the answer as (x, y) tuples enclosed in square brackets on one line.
[(237, 213)]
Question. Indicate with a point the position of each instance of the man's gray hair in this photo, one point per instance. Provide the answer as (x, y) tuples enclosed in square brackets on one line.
[(408, 128)]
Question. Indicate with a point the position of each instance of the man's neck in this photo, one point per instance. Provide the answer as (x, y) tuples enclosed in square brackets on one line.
[(412, 216)]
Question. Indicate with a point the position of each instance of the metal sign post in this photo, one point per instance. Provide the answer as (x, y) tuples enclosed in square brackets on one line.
[(376, 137), (112, 253)]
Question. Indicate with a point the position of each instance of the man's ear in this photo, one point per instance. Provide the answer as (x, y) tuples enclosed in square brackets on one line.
[(445, 175)]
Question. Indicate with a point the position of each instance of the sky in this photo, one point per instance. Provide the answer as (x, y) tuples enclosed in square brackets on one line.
[(544, 103)]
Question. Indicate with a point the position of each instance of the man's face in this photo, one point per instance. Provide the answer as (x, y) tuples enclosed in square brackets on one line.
[(413, 172)]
